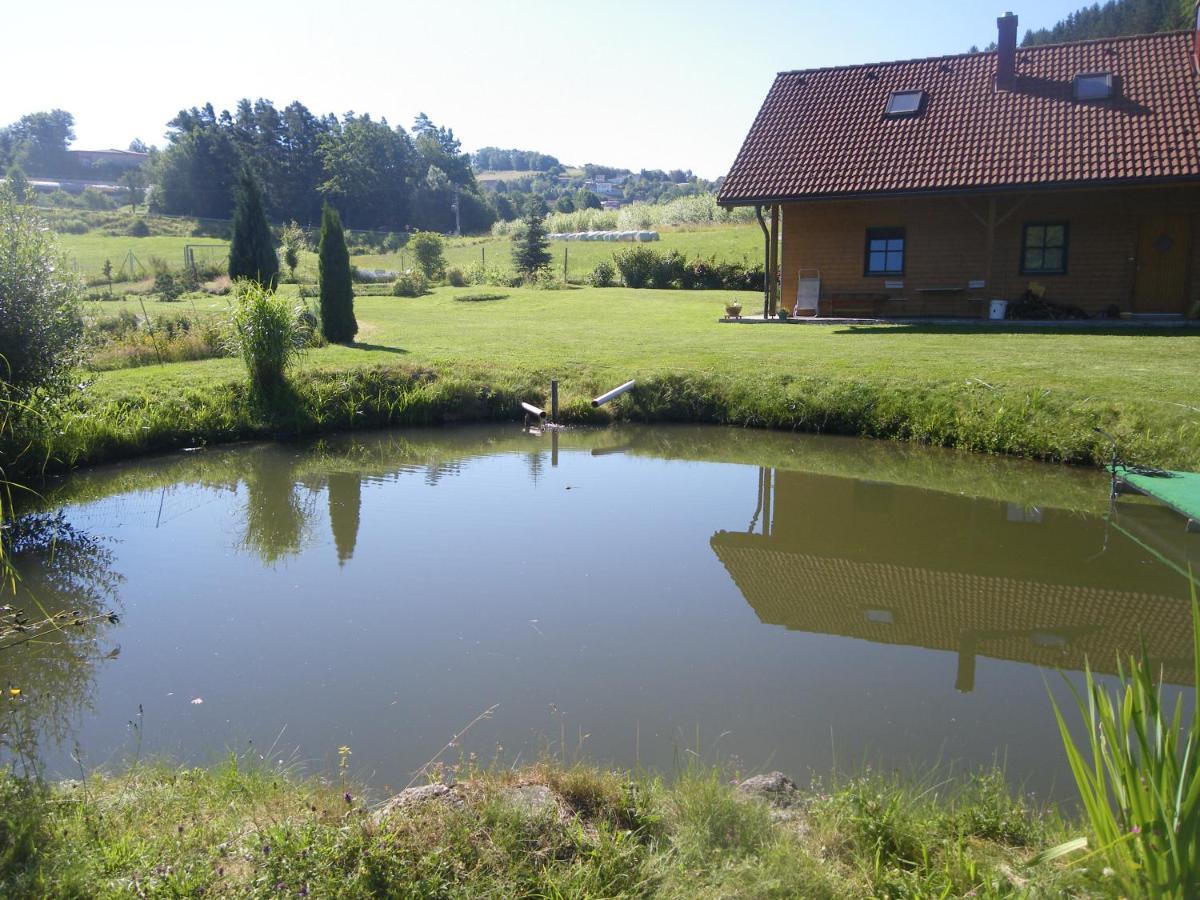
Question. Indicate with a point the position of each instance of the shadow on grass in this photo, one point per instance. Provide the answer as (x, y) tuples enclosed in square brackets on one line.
[(1065, 329), (358, 345)]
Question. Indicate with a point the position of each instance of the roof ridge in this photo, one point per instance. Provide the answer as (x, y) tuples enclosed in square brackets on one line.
[(970, 55)]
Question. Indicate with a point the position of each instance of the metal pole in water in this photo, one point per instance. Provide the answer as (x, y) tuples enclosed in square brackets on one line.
[(553, 399), (533, 410), (614, 393)]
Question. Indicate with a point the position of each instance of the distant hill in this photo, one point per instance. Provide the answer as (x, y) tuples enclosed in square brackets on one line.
[(1115, 18)]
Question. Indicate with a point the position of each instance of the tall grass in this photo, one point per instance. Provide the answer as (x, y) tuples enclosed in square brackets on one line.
[(1138, 776), (268, 335), (697, 211)]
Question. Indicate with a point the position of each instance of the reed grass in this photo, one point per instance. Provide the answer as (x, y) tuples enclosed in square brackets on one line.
[(1138, 775), (267, 334)]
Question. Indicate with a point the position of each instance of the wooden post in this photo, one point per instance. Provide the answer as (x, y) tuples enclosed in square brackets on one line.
[(991, 246), (774, 257), (553, 399), (483, 257), (564, 263)]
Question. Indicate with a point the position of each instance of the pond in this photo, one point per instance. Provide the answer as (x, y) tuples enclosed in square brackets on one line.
[(634, 596)]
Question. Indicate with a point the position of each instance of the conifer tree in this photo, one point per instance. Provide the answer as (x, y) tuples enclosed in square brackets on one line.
[(531, 247), (337, 289), (252, 249)]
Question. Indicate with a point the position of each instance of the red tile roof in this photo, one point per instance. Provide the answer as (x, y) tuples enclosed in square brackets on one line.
[(822, 132)]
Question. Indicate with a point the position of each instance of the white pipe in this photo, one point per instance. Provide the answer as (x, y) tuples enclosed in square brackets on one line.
[(533, 410), (613, 394)]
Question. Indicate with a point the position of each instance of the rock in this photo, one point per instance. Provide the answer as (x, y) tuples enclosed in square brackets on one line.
[(446, 794), (774, 787), (537, 801)]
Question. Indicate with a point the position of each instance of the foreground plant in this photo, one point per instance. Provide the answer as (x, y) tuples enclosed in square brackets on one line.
[(1141, 786), (268, 335)]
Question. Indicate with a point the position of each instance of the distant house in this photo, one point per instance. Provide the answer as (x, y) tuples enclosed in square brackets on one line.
[(602, 187), (929, 186), (111, 160)]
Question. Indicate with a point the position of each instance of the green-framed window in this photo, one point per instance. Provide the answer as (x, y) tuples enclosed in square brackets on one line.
[(1044, 248)]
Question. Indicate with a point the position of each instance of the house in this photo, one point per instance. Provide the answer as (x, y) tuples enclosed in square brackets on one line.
[(602, 187), (110, 160), (976, 578), (930, 186)]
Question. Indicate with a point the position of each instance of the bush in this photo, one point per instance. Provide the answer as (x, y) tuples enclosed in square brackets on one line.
[(456, 277), (604, 275), (478, 274), (167, 287), (410, 283), (94, 199), (545, 280), (139, 229), (636, 265), (667, 270), (395, 241), (643, 267), (72, 225), (41, 334), (427, 250), (267, 334), (292, 241)]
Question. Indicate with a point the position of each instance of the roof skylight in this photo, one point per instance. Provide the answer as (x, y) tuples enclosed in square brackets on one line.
[(904, 103), (1093, 86)]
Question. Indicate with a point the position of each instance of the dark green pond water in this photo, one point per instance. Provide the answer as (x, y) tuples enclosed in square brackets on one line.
[(643, 594)]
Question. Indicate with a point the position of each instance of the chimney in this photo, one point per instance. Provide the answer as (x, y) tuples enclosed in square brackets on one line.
[(1006, 52)]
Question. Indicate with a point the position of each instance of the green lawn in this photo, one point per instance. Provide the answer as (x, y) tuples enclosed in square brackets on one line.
[(1031, 393)]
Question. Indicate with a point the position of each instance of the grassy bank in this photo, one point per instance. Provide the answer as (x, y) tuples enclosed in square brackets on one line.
[(1036, 394), (544, 831)]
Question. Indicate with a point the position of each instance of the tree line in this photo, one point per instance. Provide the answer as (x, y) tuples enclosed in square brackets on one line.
[(375, 175), (497, 159), (1114, 18)]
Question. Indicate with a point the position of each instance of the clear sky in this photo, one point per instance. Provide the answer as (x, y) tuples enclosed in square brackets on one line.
[(638, 84)]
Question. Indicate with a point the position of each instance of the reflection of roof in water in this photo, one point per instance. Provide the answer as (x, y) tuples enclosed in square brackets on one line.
[(1017, 619)]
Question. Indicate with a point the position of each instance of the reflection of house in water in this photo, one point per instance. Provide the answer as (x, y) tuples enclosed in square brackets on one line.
[(902, 565)]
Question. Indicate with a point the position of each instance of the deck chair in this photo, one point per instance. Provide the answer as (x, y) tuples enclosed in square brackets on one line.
[(808, 292)]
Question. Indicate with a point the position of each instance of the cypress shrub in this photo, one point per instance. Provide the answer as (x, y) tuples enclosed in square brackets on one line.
[(337, 289), (252, 249)]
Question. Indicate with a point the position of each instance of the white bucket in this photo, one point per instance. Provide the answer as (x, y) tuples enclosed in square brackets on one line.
[(998, 309)]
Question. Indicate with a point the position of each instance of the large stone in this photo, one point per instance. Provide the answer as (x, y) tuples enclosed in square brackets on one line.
[(774, 787), (536, 801), (446, 794)]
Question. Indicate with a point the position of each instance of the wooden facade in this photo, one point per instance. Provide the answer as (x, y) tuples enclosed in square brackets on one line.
[(1130, 250), (979, 578)]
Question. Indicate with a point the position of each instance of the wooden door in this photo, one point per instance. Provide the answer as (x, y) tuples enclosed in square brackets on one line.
[(1164, 247)]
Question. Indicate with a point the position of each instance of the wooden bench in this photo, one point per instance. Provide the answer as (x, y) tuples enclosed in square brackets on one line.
[(852, 304)]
